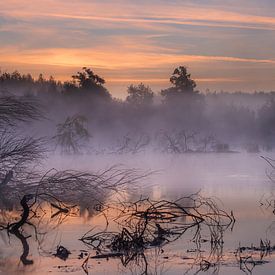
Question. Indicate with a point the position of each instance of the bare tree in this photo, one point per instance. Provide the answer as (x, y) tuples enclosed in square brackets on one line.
[(14, 109), (132, 143), (178, 141), (71, 134), (207, 143), (18, 152)]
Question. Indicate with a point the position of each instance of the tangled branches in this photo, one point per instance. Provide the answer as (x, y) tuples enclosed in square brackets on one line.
[(14, 229), (34, 215), (14, 109), (66, 193), (146, 224), (132, 144), (178, 142), (17, 152), (74, 187), (271, 162), (71, 134), (250, 257)]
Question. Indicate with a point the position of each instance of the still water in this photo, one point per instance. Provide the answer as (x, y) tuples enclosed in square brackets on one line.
[(235, 182)]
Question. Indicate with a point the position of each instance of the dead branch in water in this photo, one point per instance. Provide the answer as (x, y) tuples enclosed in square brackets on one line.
[(147, 224), (248, 257), (15, 229)]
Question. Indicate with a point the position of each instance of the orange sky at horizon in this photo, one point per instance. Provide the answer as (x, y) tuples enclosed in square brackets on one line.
[(226, 46)]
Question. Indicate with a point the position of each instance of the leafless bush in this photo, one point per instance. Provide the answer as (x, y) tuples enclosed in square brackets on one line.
[(65, 193), (16, 152), (132, 144), (14, 109), (74, 187), (207, 143), (270, 173), (177, 141), (248, 257), (147, 224)]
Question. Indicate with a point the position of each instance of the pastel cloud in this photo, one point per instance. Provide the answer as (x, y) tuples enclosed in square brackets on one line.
[(127, 41)]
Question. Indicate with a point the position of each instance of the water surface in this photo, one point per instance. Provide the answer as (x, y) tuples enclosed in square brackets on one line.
[(237, 182)]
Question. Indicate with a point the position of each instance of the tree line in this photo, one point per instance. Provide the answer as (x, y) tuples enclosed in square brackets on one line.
[(86, 82), (84, 103)]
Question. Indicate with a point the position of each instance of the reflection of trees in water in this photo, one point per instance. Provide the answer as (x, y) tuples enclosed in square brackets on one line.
[(61, 193), (253, 256), (15, 229), (40, 217), (57, 196), (267, 201), (249, 257), (146, 224), (16, 154), (145, 231), (143, 226)]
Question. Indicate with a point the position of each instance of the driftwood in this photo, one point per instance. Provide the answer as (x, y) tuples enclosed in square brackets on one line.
[(14, 229)]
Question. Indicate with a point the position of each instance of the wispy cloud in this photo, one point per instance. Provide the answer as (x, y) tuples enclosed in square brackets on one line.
[(116, 37), (112, 59), (152, 12)]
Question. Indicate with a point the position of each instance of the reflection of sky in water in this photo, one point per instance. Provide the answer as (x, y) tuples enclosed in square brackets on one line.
[(237, 181)]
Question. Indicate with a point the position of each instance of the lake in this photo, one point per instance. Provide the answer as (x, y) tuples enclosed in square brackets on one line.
[(217, 219)]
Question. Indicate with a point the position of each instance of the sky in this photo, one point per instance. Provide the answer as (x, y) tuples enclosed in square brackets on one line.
[(227, 45)]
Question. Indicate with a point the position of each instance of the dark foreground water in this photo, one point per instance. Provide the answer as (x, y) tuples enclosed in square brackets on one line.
[(240, 243)]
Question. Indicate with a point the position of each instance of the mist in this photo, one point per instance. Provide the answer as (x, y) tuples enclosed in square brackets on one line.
[(162, 180), (176, 122)]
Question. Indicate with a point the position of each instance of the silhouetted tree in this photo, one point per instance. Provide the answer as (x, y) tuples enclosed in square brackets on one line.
[(69, 87), (14, 82), (88, 81), (140, 95), (14, 77), (182, 84), (17, 152), (19, 84)]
